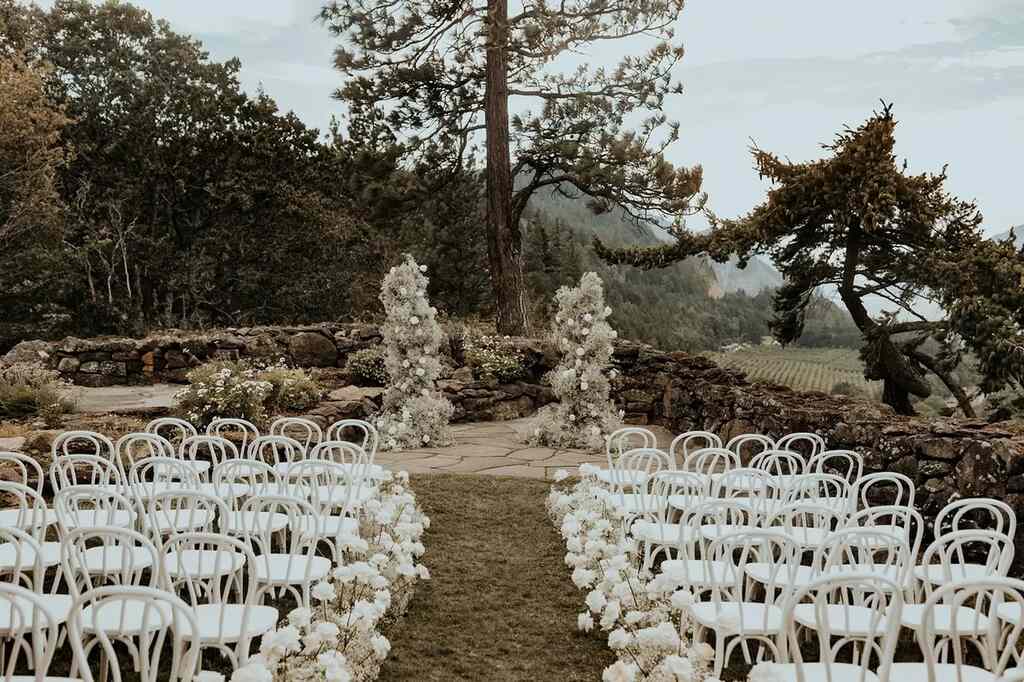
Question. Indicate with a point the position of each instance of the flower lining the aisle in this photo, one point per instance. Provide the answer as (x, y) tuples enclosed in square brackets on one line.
[(339, 639), (645, 617)]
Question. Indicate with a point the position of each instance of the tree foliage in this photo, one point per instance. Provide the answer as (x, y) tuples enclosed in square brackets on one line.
[(857, 221), (426, 70)]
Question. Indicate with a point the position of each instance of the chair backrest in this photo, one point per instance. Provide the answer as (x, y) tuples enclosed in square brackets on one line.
[(885, 488), (781, 463), (876, 613), (83, 442), (306, 431), (791, 518), (687, 443), (946, 557), (830, 490), (678, 490), (21, 558), (31, 638), (135, 447), (29, 472), (733, 551), (83, 506), (215, 448), (977, 512), (31, 506), (845, 463), (259, 478), (295, 558), (153, 474), (173, 429), (970, 598), (708, 461), (275, 450), (625, 439), (106, 555), (69, 470), (905, 523), (713, 518), (246, 430), (807, 444), (349, 457), (749, 445), (364, 434), (228, 577), (165, 623), (745, 482), (176, 511), (638, 466), (866, 549)]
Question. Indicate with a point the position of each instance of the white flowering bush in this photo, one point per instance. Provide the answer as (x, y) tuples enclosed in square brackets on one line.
[(414, 413), (366, 366), (646, 618), (339, 638), (224, 389), (583, 414)]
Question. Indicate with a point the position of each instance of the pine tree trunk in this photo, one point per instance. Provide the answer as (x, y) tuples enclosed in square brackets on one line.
[(503, 238)]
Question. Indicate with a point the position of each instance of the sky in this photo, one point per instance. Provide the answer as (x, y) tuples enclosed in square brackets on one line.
[(787, 74)]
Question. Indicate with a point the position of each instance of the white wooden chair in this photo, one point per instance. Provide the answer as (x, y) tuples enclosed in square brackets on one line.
[(699, 526), (617, 444), (711, 463), (632, 491), (88, 506), (677, 491), (887, 488), (937, 630), (685, 444), (295, 567), (245, 432), (158, 624), (845, 463), (83, 442), (335, 498), (277, 451), (70, 470), (177, 511), (24, 563), (366, 435), (173, 429), (749, 445), (303, 430), (238, 480), (221, 588), (875, 619), (804, 443), (356, 461), (30, 632), (132, 448), (736, 612)]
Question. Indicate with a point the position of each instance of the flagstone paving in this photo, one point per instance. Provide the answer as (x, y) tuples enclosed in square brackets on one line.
[(496, 449)]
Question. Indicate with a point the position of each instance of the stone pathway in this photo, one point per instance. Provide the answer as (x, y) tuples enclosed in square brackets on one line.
[(123, 399), (496, 449)]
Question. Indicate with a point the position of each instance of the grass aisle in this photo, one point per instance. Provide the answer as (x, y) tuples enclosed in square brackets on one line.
[(500, 605)]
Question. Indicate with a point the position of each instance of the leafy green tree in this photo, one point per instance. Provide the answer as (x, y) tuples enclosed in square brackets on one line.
[(439, 73), (857, 221)]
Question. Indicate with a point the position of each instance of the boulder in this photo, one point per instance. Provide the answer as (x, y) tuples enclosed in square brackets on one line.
[(356, 393), (28, 352), (311, 349)]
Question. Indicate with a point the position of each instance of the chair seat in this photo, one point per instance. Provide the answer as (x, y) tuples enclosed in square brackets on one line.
[(240, 523), (936, 575), (795, 577), (686, 502), (968, 621), (806, 537), (375, 471), (200, 466), (339, 496), (112, 559), (849, 621), (288, 569), (1009, 612), (202, 563), (57, 605), (632, 503), (944, 672), (836, 672), (712, 532), (698, 573), (330, 526), (629, 477), (91, 518), (179, 522), (226, 490), (661, 533), (9, 518), (126, 618), (749, 618), (223, 622), (50, 552)]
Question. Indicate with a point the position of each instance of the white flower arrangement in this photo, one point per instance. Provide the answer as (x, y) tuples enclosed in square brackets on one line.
[(583, 414), (414, 412), (646, 618), (338, 639)]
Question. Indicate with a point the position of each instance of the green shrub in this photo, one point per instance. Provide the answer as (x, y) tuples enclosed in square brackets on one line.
[(494, 357), (291, 389), (241, 390), (32, 390), (366, 367)]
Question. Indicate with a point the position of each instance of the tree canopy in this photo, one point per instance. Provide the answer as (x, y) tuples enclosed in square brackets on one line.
[(437, 74), (858, 222)]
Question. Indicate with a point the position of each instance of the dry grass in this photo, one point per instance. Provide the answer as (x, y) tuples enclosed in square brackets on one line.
[(500, 605)]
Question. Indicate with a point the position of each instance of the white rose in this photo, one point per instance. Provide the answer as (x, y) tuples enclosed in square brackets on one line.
[(580, 352), (324, 591), (423, 268), (620, 672), (585, 622), (414, 320)]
